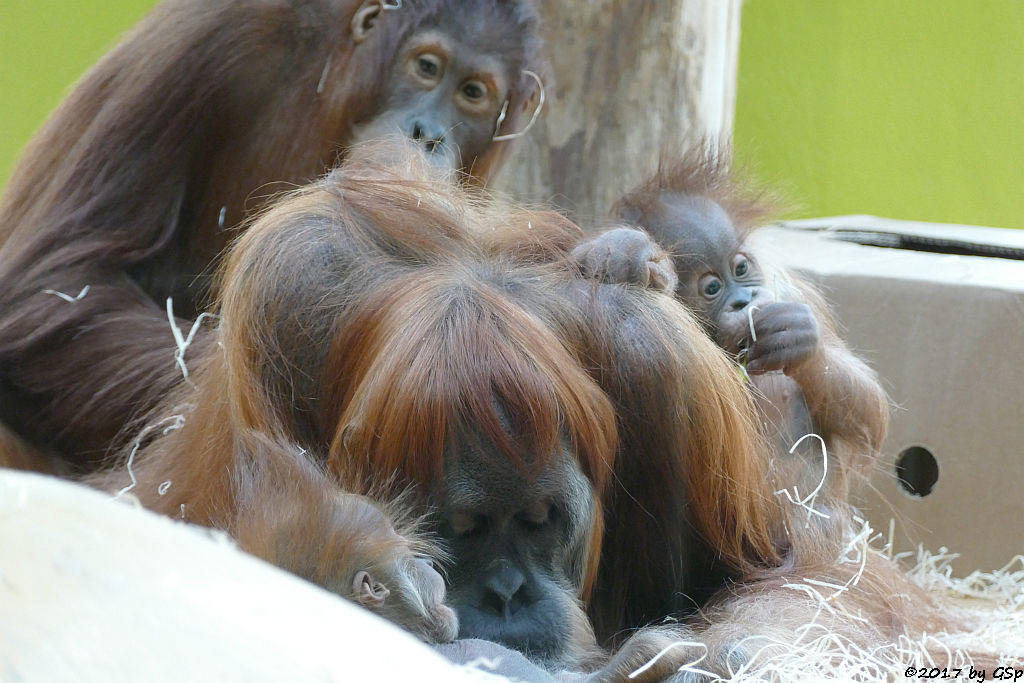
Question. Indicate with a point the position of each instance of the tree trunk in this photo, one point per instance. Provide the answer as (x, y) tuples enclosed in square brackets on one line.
[(631, 78)]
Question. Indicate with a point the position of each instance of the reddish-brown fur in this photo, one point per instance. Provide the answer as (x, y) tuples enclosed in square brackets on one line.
[(134, 184), (371, 316), (19, 455), (877, 604), (287, 511), (332, 337)]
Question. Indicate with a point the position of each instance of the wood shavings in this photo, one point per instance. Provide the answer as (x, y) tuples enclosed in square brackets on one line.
[(176, 422), (808, 501), (817, 653), (1004, 586), (533, 119), (323, 74), (67, 297), (690, 667), (181, 341), (750, 319)]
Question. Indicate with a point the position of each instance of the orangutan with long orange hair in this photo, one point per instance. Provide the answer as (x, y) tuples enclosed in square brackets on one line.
[(586, 455)]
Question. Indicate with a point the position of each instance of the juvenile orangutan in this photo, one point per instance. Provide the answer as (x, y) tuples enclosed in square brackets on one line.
[(289, 514), (804, 378)]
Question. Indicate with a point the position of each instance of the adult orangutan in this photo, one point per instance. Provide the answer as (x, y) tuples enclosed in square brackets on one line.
[(125, 198), (581, 448), (396, 330), (804, 378)]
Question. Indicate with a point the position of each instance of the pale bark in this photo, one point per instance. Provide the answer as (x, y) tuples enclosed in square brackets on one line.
[(631, 77)]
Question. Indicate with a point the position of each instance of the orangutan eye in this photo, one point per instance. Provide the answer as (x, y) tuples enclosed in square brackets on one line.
[(474, 90), (742, 268), (464, 524), (536, 516), (428, 66), (710, 286)]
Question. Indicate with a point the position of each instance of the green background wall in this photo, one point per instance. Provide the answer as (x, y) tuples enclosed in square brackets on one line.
[(45, 45), (902, 108)]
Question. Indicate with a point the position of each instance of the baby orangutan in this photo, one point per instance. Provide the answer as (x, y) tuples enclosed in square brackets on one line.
[(346, 542), (804, 378)]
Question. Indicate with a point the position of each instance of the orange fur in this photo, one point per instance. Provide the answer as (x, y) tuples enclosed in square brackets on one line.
[(370, 317), (878, 604)]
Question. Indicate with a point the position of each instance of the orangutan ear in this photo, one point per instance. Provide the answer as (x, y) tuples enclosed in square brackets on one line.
[(369, 592), (364, 19)]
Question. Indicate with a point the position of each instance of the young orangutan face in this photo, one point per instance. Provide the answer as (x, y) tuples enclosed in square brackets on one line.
[(718, 279), (445, 95)]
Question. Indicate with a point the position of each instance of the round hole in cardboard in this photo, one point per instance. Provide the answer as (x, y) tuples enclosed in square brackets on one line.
[(917, 471)]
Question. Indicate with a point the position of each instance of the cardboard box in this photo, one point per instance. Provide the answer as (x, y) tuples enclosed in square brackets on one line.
[(939, 313)]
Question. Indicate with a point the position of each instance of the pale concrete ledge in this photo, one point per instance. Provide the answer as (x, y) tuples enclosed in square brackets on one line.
[(93, 589)]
